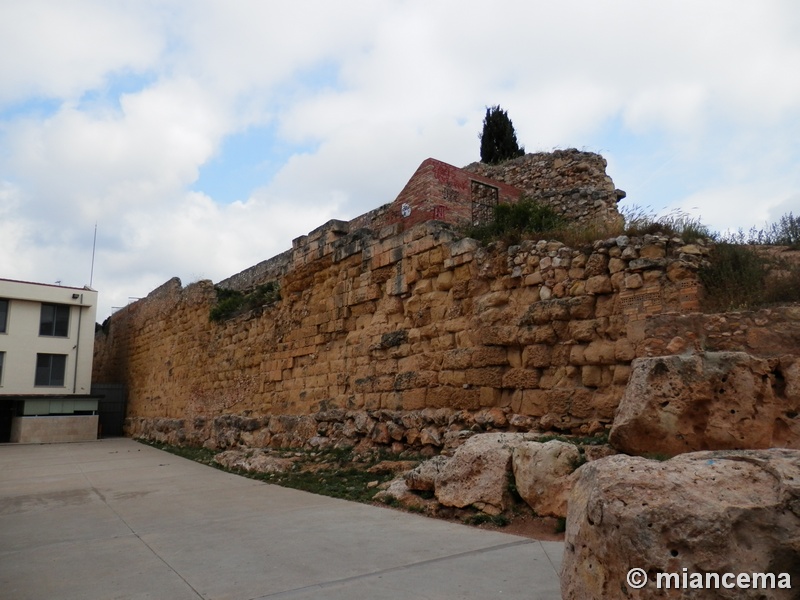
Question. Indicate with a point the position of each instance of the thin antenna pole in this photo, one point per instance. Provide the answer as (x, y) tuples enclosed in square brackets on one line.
[(94, 245)]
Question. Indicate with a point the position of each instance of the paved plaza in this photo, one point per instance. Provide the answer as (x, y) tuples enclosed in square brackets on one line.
[(115, 519)]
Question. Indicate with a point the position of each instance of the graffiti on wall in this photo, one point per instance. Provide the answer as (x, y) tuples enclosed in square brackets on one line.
[(450, 176)]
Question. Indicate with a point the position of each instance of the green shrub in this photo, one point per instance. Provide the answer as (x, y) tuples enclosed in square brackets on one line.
[(515, 222), (738, 277), (232, 302), (228, 303)]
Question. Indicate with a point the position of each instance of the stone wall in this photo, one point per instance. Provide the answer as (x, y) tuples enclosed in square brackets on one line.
[(400, 337), (768, 332), (572, 182)]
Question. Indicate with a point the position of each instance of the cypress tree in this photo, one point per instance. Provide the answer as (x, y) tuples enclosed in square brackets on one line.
[(498, 139)]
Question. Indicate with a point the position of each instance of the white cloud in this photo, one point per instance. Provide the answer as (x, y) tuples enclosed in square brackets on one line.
[(702, 98), (198, 238), (86, 166), (58, 49), (740, 206)]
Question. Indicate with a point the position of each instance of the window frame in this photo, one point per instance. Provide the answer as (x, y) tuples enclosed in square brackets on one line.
[(58, 323), (4, 307), (41, 369)]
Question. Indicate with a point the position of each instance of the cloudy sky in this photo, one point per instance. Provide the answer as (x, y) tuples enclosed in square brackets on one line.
[(201, 136)]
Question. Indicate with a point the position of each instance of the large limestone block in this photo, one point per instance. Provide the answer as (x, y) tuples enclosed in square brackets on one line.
[(478, 472), (710, 401), (423, 476), (542, 475), (705, 512), (399, 492)]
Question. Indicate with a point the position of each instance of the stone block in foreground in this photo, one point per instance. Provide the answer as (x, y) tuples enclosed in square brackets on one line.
[(705, 512), (708, 401)]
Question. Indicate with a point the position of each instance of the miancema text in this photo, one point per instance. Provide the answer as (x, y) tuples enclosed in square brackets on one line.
[(686, 580)]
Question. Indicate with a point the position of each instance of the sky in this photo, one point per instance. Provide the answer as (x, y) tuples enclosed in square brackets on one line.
[(199, 137)]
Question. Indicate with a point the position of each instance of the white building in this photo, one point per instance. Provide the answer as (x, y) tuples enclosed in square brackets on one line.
[(46, 351)]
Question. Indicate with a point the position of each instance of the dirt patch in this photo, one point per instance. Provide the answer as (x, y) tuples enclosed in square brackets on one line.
[(537, 528)]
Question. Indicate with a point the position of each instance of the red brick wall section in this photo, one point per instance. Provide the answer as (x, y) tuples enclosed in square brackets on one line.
[(436, 191)]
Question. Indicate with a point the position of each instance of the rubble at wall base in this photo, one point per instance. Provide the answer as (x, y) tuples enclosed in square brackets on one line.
[(429, 431)]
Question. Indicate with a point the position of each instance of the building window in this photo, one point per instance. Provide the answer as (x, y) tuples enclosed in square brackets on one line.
[(2, 357), (50, 369), (54, 320), (3, 315)]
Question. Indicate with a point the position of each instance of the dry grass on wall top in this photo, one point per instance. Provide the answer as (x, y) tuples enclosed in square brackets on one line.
[(753, 269), (531, 220), (739, 277), (736, 275)]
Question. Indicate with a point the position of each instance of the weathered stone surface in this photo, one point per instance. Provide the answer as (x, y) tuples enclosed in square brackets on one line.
[(399, 318), (258, 461), (398, 491), (706, 512), (478, 472), (573, 183), (392, 466), (768, 332), (423, 476), (430, 437), (711, 401), (454, 439), (542, 475), (597, 452)]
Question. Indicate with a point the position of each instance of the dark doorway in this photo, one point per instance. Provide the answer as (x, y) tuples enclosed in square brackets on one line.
[(7, 408), (111, 408)]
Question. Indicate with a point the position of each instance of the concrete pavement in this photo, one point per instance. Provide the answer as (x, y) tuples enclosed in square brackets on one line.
[(115, 519)]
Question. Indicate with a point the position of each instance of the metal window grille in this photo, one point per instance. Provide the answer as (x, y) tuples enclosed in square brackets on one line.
[(484, 199)]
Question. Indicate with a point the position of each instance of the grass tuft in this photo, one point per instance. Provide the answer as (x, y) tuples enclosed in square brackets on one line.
[(738, 277), (677, 223)]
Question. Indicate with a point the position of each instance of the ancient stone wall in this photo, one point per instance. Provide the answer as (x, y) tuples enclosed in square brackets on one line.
[(767, 332), (572, 182), (399, 337)]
